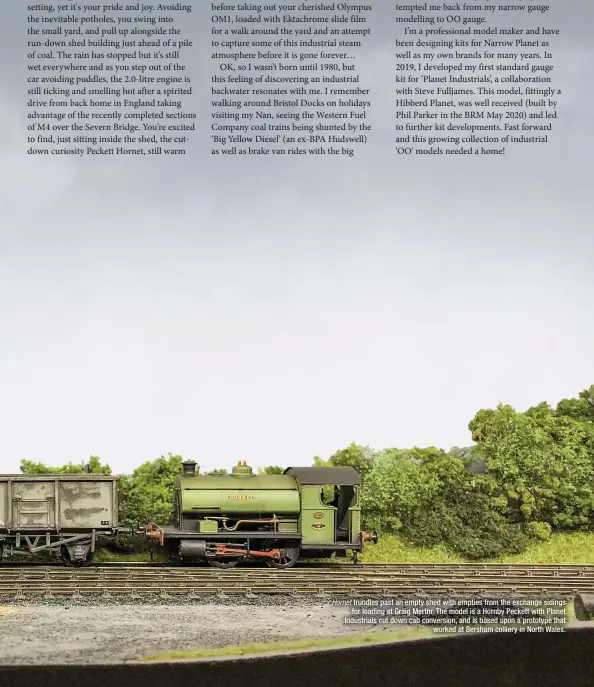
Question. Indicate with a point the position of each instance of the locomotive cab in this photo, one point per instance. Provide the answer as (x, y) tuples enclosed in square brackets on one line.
[(330, 519)]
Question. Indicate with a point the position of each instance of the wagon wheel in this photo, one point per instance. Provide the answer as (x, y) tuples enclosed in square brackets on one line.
[(223, 563), (288, 556), (67, 560)]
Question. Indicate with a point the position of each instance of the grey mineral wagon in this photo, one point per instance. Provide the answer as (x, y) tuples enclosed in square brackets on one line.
[(60, 514)]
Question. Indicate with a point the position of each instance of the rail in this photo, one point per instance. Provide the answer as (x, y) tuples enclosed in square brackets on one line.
[(147, 580)]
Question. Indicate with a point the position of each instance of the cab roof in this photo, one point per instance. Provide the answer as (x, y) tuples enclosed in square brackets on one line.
[(325, 475)]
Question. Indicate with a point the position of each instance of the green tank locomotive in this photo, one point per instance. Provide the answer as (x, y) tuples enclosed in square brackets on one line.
[(223, 519)]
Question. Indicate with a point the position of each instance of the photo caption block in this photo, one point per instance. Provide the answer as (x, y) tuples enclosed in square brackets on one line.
[(452, 615)]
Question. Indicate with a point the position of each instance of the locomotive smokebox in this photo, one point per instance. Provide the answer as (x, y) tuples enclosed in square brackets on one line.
[(189, 468)]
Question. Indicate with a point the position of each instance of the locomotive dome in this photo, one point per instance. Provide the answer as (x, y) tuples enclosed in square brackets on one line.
[(242, 469)]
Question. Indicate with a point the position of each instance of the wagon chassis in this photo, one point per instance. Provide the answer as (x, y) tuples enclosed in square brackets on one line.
[(73, 548)]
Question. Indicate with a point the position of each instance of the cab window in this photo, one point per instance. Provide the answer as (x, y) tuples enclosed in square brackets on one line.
[(329, 495)]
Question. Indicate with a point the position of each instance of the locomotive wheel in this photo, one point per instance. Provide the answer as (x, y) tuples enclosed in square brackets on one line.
[(288, 556), (222, 563)]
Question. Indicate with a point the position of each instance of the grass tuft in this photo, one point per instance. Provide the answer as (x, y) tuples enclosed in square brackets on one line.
[(305, 644), (561, 549), (104, 555)]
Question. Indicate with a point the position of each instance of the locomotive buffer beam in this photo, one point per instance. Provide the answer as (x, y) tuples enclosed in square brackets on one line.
[(155, 532)]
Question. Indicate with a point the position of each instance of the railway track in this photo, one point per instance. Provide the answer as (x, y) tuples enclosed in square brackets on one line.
[(388, 580)]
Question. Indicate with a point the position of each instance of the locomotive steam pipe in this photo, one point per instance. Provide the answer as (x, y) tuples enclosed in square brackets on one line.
[(272, 521)]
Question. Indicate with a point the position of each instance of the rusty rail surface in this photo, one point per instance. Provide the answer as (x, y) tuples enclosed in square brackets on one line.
[(144, 580)]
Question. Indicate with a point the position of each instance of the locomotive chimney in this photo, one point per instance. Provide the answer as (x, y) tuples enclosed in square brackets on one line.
[(189, 468)]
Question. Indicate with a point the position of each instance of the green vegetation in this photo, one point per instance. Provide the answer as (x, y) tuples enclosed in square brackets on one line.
[(575, 548), (306, 644), (569, 549), (107, 554), (94, 467), (528, 477), (524, 492)]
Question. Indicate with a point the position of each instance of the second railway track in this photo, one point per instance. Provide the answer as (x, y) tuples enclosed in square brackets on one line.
[(144, 581)]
